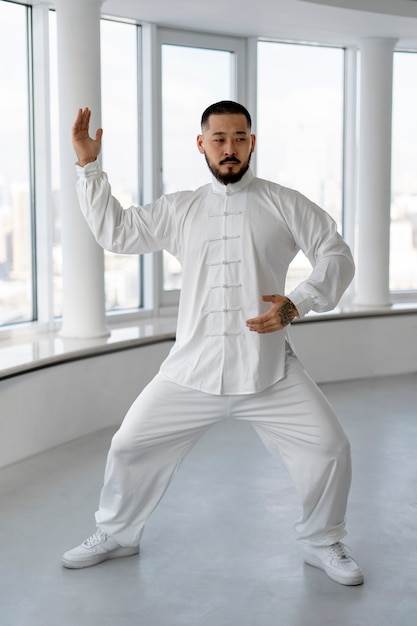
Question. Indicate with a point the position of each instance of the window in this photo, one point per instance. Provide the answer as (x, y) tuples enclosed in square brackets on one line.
[(120, 153), (403, 233), (120, 115), (55, 173), (300, 126), (193, 77), (16, 230)]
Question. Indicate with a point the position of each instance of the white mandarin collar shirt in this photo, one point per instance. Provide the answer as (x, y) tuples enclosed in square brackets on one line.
[(235, 243)]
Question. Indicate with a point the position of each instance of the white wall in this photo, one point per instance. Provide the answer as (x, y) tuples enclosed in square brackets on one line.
[(357, 347), (47, 407)]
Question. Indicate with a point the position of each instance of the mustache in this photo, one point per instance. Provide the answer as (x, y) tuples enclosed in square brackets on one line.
[(230, 160)]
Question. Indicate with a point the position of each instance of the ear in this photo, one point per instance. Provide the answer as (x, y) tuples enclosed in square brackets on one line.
[(253, 142), (200, 144)]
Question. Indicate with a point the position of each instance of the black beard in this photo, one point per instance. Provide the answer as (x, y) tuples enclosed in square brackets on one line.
[(225, 179)]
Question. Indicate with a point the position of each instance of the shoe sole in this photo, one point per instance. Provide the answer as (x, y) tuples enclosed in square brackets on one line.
[(354, 581), (99, 558)]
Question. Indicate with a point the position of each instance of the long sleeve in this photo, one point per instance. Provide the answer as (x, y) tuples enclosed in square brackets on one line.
[(135, 230), (315, 233)]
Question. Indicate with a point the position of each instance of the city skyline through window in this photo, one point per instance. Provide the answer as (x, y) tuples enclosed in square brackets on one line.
[(16, 270), (206, 76), (299, 126), (403, 235)]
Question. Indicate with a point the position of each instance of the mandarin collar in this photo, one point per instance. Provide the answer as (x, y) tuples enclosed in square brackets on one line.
[(218, 187)]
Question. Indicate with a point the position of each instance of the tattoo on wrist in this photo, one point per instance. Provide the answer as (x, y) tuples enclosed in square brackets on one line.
[(287, 313)]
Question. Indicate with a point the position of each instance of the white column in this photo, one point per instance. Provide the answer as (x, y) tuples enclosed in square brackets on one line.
[(78, 34), (373, 225)]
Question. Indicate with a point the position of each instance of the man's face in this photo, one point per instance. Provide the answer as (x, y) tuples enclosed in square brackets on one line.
[(227, 145)]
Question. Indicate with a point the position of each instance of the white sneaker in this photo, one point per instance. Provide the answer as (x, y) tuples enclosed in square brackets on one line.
[(97, 548), (336, 562)]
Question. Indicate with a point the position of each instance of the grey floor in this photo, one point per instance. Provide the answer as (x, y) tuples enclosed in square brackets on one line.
[(219, 549)]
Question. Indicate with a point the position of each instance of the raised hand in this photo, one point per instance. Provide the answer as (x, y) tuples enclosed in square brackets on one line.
[(280, 314), (86, 148)]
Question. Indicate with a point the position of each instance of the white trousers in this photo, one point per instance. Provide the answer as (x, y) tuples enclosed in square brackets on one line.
[(292, 418)]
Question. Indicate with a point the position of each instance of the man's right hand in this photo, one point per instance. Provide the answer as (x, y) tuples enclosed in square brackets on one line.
[(86, 148)]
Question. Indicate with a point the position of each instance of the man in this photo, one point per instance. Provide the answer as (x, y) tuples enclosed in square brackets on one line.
[(235, 238)]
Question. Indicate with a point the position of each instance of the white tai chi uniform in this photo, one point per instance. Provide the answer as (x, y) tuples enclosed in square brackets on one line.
[(235, 243)]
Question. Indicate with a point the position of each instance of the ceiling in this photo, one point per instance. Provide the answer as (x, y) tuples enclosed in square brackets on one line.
[(326, 21)]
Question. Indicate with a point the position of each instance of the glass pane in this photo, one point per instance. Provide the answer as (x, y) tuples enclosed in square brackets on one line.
[(55, 165), (403, 245), (300, 127), (119, 93), (192, 79), (16, 301)]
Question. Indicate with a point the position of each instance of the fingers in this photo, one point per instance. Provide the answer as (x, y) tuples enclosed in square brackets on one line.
[(82, 121), (82, 124), (263, 325), (261, 319), (85, 119), (265, 318), (262, 328), (280, 314), (77, 122)]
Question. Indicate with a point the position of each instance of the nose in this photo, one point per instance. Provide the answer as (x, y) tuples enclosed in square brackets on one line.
[(229, 148)]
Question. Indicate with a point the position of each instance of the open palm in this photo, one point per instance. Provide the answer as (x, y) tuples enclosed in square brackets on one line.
[(86, 148)]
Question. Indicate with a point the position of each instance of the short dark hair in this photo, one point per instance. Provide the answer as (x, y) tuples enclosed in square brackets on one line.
[(225, 107)]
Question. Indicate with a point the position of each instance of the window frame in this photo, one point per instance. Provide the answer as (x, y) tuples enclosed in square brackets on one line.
[(346, 158), (151, 37), (120, 313), (398, 295), (167, 301), (33, 270)]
